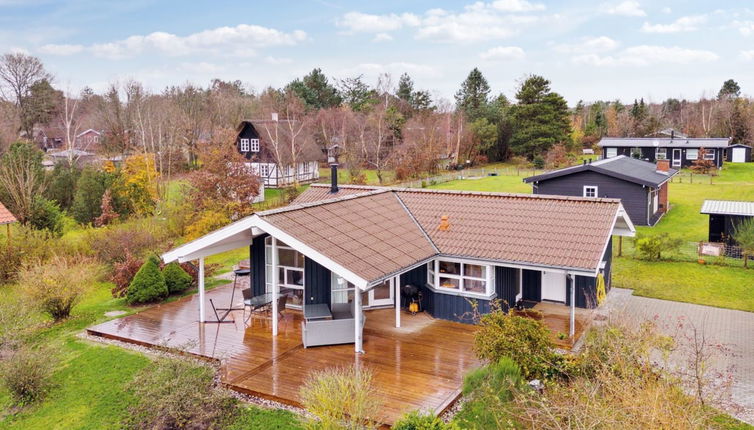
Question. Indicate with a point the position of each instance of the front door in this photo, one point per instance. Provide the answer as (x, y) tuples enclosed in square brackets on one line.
[(739, 155), (554, 287), (677, 157), (381, 295)]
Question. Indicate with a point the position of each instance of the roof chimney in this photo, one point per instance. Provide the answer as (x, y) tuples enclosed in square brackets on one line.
[(672, 134), (332, 160), (444, 223), (663, 166)]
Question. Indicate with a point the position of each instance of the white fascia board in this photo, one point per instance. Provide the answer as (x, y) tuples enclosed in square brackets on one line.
[(212, 250), (630, 231), (208, 240), (310, 252)]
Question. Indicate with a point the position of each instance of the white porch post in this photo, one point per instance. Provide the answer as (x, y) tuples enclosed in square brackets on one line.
[(397, 298), (201, 290), (357, 319), (275, 286), (572, 324)]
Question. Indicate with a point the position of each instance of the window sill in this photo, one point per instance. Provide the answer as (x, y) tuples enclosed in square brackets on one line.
[(451, 292)]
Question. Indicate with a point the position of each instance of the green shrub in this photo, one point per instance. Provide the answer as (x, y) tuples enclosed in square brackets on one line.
[(418, 421), (176, 279), (46, 215), (87, 201), (340, 398), (61, 186), (525, 340), (139, 237), (27, 374), (538, 162), (148, 285), (651, 247), (178, 394), (487, 392)]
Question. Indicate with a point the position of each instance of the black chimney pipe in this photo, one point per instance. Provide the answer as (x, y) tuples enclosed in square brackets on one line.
[(334, 178)]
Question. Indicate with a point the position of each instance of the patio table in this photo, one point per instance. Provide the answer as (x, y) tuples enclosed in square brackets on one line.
[(259, 301), (317, 312)]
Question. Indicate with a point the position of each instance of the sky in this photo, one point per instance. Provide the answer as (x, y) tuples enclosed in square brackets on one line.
[(589, 50)]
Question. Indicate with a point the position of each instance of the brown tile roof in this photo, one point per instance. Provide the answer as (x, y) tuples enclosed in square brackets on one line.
[(5, 216), (375, 231), (371, 235)]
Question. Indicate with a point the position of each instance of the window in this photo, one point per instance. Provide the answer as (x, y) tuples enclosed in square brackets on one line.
[(244, 145), (456, 276), (661, 154), (590, 191), (636, 152), (290, 271), (264, 170), (611, 152), (709, 155), (692, 154), (254, 145), (655, 200)]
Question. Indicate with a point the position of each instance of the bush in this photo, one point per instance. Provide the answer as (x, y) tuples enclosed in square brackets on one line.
[(123, 273), (487, 392), (46, 215), (148, 284), (112, 244), (418, 421), (62, 185), (57, 285), (87, 201), (10, 261), (651, 247), (176, 279), (16, 324), (178, 394), (341, 398), (27, 374), (525, 340), (538, 162), (206, 222)]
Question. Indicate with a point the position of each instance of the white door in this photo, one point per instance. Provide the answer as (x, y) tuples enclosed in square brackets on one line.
[(554, 286), (676, 157), (739, 155), (381, 295)]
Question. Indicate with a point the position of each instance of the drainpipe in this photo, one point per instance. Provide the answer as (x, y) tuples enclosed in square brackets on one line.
[(572, 323)]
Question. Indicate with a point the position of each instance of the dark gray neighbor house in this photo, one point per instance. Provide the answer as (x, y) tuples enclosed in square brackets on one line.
[(725, 216), (641, 186), (680, 150), (738, 153)]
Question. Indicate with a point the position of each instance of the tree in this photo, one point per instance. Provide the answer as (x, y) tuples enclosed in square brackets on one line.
[(18, 72), (357, 94), (702, 165), (46, 215), (148, 285), (472, 98), (22, 179), (39, 106), (744, 236), (315, 90), (540, 117), (87, 202), (405, 89), (729, 90)]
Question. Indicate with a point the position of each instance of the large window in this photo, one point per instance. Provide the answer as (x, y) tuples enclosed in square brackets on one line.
[(461, 277), (290, 271), (709, 155), (661, 154), (692, 154), (244, 145), (254, 145), (611, 152)]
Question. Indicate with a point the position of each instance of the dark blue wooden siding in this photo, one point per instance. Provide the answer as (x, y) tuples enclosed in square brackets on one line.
[(586, 286), (317, 283), (416, 277), (257, 265), (453, 308), (506, 285), (532, 285), (633, 196), (648, 154)]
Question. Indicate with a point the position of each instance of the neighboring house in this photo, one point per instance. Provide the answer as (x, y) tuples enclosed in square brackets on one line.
[(738, 153), (88, 140), (49, 138), (78, 156), (724, 217), (253, 144), (362, 245), (680, 151), (641, 186)]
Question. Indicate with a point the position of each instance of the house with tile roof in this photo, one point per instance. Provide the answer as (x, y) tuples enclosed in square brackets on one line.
[(641, 186), (363, 246)]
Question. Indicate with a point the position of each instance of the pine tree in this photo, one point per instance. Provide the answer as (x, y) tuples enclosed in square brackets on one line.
[(473, 96), (315, 90), (729, 90), (405, 88)]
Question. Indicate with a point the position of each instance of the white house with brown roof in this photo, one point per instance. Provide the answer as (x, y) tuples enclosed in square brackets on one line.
[(364, 247)]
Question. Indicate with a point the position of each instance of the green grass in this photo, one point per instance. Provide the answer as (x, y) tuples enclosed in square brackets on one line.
[(503, 183)]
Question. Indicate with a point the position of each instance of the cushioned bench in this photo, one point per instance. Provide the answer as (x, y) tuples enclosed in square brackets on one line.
[(335, 331)]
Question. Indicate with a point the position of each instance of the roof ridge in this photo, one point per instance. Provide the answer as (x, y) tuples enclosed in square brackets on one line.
[(413, 218), (296, 206)]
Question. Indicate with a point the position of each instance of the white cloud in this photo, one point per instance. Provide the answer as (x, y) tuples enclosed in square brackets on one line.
[(588, 45), (241, 40), (382, 37), (64, 49), (373, 70), (277, 60), (517, 6), (666, 10), (684, 23), (747, 55), (746, 28), (647, 55), (368, 23), (503, 53), (624, 8)]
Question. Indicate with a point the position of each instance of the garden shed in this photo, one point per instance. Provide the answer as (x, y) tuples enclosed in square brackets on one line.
[(738, 153), (725, 216)]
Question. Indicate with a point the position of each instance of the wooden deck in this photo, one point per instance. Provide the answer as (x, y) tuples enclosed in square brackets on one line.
[(418, 366), (557, 318)]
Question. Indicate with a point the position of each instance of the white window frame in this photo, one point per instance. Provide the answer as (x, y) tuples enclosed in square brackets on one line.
[(254, 145), (264, 170), (663, 155), (709, 155), (282, 282), (588, 188), (244, 145), (695, 152), (433, 278), (611, 152)]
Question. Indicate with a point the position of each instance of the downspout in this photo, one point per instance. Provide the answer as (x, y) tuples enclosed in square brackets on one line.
[(572, 322)]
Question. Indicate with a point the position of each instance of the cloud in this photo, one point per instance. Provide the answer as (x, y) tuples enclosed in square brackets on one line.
[(747, 55), (746, 28), (241, 40), (358, 22), (382, 37), (666, 10), (624, 8), (277, 60), (373, 70), (64, 49), (647, 55), (684, 23), (503, 53), (517, 6), (588, 45)]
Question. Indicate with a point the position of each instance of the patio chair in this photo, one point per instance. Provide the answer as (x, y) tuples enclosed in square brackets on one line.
[(282, 300)]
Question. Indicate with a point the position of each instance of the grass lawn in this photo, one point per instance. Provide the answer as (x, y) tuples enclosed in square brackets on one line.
[(503, 183), (90, 378)]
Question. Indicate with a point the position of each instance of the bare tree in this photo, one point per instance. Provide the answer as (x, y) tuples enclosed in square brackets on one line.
[(18, 73), (70, 120)]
